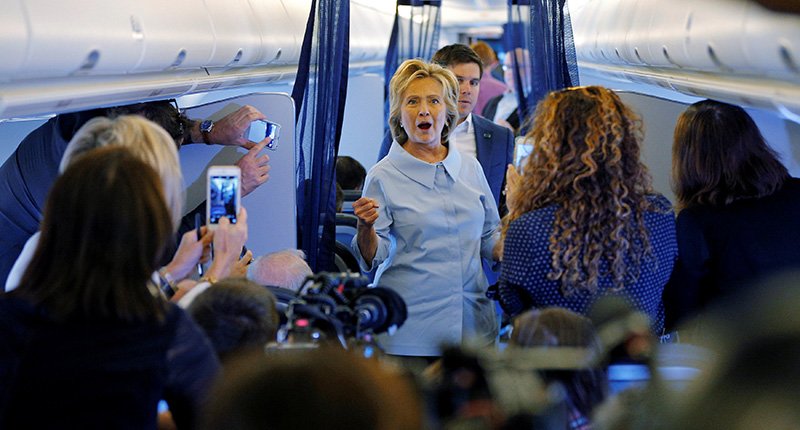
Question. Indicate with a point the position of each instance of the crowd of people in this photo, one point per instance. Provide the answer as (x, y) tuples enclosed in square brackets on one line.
[(103, 316)]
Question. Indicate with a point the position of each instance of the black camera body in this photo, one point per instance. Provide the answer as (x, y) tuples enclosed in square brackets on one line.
[(342, 307)]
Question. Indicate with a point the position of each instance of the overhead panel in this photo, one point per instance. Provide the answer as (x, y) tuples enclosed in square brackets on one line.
[(172, 43), (714, 44), (237, 38), (370, 31), (14, 34), (773, 39), (80, 37), (281, 26)]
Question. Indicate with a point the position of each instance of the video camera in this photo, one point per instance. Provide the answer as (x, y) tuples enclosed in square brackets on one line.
[(343, 307)]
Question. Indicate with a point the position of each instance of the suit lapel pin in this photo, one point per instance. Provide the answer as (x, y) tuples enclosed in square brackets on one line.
[(487, 135)]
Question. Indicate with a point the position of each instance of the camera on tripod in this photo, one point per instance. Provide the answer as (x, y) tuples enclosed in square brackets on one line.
[(341, 307)]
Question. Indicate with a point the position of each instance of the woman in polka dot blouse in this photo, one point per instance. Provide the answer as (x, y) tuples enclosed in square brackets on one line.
[(583, 218)]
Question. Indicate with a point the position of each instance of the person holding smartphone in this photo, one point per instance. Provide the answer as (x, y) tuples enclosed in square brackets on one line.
[(84, 341), (28, 174), (584, 220)]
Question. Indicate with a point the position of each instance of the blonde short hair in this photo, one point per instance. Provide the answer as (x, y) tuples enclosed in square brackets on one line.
[(144, 139), (418, 69)]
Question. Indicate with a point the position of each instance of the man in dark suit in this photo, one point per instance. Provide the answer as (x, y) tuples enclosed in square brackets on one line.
[(491, 144)]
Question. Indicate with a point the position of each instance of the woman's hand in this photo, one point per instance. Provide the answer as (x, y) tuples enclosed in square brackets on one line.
[(366, 209), (228, 242), (239, 269), (513, 182), (190, 252)]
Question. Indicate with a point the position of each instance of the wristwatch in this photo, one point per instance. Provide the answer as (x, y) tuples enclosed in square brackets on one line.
[(205, 129)]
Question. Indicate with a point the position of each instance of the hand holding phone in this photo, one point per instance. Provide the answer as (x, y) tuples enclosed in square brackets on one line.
[(223, 194), (262, 129)]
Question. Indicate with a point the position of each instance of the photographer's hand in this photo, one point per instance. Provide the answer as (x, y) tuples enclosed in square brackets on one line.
[(255, 167), (239, 269), (189, 253), (228, 242), (230, 129), (366, 209)]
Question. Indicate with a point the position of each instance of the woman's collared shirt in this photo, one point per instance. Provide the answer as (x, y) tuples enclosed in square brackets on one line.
[(435, 221)]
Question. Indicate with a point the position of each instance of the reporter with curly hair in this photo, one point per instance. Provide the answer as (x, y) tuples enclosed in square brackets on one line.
[(583, 218)]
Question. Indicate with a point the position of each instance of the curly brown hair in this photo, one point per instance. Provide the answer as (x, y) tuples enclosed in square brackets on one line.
[(586, 162)]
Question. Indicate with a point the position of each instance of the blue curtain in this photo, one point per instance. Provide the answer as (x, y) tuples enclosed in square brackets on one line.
[(542, 28), (319, 94), (410, 40)]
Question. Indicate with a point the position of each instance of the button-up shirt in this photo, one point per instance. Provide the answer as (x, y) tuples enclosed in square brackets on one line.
[(435, 221), (464, 138)]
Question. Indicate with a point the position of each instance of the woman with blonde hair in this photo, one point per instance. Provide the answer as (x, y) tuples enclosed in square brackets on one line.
[(583, 218), (426, 218)]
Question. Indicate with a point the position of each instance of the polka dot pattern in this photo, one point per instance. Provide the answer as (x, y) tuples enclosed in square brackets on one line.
[(527, 261)]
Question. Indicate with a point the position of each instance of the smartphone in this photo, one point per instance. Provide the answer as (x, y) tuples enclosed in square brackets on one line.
[(223, 194), (522, 148), (260, 129)]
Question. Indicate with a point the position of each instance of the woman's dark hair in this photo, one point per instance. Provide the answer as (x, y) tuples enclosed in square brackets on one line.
[(719, 156), (105, 227), (558, 327)]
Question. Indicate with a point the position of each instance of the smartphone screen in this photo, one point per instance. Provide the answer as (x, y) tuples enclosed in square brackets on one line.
[(522, 148), (261, 129), (222, 197)]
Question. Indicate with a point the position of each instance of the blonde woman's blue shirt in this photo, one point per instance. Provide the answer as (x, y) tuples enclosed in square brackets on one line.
[(435, 221)]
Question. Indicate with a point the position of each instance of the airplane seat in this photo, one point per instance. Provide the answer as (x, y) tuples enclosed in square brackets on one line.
[(349, 197), (677, 364), (344, 259), (346, 227), (680, 363)]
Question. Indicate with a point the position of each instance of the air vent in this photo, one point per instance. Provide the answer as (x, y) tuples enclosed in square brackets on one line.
[(237, 58), (668, 58), (639, 57), (89, 62), (714, 59), (788, 60), (179, 59)]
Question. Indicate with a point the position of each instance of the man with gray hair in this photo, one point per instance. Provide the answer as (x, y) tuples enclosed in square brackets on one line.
[(286, 269)]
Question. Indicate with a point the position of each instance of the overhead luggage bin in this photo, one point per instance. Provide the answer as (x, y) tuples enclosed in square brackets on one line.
[(237, 38), (281, 26), (369, 33), (716, 45), (14, 34), (665, 40), (169, 42), (612, 41), (773, 42), (636, 50), (87, 37)]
